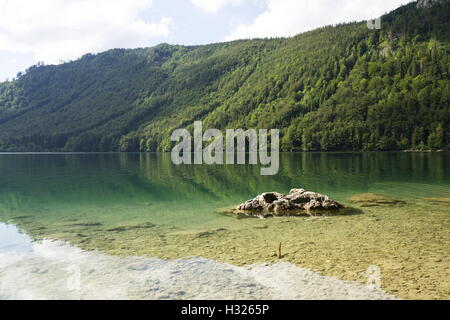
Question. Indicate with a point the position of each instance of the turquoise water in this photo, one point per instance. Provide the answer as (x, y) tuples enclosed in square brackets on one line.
[(113, 188), (143, 205)]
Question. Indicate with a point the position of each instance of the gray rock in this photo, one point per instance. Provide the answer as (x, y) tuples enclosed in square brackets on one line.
[(297, 202), (424, 4)]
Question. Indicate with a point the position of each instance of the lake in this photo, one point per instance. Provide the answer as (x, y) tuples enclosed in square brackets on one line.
[(140, 209)]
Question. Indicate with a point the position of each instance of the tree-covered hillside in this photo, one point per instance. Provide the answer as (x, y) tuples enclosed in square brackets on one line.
[(340, 87)]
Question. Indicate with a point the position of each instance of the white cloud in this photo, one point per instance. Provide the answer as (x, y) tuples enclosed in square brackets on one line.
[(54, 30), (213, 6), (284, 18)]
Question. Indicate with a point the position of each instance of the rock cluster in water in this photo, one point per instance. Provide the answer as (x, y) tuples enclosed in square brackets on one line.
[(298, 201)]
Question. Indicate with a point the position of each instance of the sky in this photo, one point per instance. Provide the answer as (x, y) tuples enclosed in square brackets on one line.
[(53, 31)]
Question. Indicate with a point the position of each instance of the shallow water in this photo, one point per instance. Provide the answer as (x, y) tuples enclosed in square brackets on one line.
[(56, 270), (142, 205)]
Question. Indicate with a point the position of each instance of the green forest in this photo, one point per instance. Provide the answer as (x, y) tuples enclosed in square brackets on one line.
[(337, 88)]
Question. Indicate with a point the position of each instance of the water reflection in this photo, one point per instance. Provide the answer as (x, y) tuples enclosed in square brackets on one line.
[(110, 178), (112, 189)]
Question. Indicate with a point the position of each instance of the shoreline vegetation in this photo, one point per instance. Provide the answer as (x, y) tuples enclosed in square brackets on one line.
[(168, 152)]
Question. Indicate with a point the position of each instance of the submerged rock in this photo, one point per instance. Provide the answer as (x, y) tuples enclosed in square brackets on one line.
[(297, 202), (85, 224), (373, 200), (441, 200), (123, 228), (209, 233)]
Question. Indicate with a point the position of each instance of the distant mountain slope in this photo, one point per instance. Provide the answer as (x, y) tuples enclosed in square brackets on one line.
[(336, 88)]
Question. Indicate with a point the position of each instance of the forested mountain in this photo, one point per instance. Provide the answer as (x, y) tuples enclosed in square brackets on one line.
[(339, 87)]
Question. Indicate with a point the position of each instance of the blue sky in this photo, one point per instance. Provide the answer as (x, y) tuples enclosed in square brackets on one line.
[(60, 30)]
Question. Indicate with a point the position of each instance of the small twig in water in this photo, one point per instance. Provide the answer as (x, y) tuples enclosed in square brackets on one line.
[(279, 251)]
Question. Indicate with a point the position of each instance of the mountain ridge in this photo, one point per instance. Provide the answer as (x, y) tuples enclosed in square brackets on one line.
[(335, 88)]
